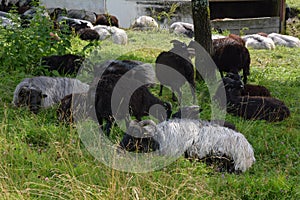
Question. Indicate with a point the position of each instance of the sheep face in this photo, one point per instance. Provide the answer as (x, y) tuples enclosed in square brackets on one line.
[(31, 97), (140, 145)]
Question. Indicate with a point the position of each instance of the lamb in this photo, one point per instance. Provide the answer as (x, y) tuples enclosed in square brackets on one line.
[(197, 139), (139, 104), (43, 92), (144, 23), (64, 64), (183, 28), (231, 55), (174, 68), (251, 107)]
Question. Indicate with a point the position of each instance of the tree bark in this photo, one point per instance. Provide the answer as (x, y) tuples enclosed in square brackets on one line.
[(202, 30)]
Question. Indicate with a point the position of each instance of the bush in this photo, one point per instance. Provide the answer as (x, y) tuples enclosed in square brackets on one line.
[(27, 45)]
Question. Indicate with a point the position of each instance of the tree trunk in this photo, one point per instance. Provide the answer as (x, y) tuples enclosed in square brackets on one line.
[(202, 30)]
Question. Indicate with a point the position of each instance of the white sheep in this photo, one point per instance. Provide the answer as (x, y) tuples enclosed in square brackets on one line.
[(144, 23), (257, 41), (197, 139), (118, 36), (182, 28), (284, 40)]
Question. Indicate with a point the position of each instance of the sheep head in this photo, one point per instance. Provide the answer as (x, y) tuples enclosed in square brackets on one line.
[(32, 97), (139, 137)]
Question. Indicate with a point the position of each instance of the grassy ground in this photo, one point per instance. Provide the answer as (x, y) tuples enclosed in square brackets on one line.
[(42, 158)]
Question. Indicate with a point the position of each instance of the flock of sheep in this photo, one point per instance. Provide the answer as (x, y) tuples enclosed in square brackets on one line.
[(175, 133)]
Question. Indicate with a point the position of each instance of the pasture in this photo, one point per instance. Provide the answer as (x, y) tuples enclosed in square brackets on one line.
[(42, 158)]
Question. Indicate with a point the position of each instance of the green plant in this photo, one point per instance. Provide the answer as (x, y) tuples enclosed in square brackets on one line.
[(27, 45)]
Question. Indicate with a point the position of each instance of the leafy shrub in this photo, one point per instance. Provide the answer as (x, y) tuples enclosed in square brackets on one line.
[(22, 48)]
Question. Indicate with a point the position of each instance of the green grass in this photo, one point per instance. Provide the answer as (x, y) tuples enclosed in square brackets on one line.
[(42, 158)]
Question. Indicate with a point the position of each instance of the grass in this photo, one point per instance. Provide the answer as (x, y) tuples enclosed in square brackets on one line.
[(42, 158)]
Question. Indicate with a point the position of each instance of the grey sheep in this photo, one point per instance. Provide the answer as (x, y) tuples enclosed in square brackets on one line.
[(197, 139), (45, 91)]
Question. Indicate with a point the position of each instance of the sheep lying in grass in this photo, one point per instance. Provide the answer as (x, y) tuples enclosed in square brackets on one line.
[(118, 36), (284, 40), (45, 91), (138, 104), (192, 112), (144, 23), (73, 105), (257, 41), (174, 68), (250, 89), (251, 107), (64, 64), (183, 28), (107, 20), (197, 139), (231, 55)]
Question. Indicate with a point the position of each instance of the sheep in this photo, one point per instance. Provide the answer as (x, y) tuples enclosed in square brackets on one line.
[(192, 112), (64, 64), (45, 91), (88, 34), (231, 55), (74, 107), (284, 40), (255, 90), (250, 89), (251, 107), (174, 68), (140, 103), (20, 5), (257, 41), (144, 23), (117, 35), (107, 20), (103, 31), (140, 71), (196, 139), (76, 24), (183, 28), (82, 14)]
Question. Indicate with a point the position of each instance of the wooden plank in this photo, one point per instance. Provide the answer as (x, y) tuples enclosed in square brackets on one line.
[(248, 25)]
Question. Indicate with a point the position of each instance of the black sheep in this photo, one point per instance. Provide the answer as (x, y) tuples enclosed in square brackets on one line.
[(174, 68), (249, 89), (64, 64), (139, 102), (88, 34), (251, 107), (231, 55)]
